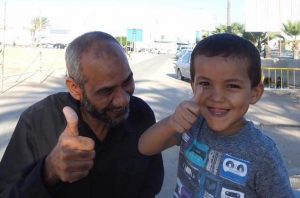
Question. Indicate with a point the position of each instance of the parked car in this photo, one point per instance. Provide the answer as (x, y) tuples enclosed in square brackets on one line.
[(59, 45), (180, 53), (182, 66)]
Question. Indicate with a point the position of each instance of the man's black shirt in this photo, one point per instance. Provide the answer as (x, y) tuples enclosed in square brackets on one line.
[(119, 169)]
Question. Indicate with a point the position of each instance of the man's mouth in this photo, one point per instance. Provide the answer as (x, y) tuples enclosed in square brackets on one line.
[(118, 111)]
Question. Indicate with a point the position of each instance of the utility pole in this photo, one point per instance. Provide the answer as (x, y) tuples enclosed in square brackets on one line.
[(3, 48), (229, 16)]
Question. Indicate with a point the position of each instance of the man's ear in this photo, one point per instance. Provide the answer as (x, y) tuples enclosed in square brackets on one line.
[(73, 88), (256, 93)]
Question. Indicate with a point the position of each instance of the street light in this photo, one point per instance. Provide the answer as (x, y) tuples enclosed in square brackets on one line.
[(229, 16), (3, 48)]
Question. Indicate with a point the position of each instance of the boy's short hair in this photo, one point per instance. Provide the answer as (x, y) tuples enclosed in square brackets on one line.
[(229, 45)]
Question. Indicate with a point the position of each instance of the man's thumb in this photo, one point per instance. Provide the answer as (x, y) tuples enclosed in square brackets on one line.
[(72, 121)]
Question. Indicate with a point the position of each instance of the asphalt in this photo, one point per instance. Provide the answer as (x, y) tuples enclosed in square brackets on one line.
[(277, 110), (273, 110)]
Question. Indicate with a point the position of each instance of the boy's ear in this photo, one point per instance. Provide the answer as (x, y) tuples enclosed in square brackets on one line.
[(256, 93), (73, 88)]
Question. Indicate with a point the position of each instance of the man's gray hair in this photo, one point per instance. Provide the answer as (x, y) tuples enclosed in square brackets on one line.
[(77, 47)]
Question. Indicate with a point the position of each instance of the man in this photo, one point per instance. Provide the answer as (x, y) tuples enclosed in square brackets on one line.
[(84, 143)]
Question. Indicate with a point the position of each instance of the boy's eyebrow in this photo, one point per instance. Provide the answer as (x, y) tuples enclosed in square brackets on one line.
[(235, 80), (227, 80)]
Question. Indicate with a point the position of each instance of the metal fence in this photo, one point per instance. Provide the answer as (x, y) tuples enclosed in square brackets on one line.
[(23, 63), (281, 78)]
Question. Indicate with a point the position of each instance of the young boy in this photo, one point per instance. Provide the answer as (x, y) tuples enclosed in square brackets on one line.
[(221, 153)]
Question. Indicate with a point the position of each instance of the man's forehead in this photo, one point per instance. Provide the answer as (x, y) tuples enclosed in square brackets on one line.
[(104, 49)]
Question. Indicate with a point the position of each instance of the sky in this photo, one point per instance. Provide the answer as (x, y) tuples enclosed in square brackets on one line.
[(172, 19)]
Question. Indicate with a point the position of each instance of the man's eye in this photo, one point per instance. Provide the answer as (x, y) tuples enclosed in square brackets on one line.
[(128, 82), (104, 92)]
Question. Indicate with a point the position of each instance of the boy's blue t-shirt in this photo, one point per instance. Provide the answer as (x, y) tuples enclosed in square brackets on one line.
[(246, 164)]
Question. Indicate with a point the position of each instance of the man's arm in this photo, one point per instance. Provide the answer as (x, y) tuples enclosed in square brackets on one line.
[(154, 177), (20, 170), (31, 166)]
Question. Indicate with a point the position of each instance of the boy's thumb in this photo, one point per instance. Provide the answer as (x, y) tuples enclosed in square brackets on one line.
[(72, 121), (197, 93)]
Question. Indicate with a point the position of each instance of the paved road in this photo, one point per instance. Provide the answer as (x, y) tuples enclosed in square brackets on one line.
[(156, 84)]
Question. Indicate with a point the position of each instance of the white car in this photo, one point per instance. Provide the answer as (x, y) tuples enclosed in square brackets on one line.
[(182, 66)]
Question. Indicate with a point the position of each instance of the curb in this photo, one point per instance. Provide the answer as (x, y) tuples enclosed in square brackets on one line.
[(256, 123)]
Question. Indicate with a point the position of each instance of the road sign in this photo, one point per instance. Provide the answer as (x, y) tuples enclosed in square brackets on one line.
[(135, 35)]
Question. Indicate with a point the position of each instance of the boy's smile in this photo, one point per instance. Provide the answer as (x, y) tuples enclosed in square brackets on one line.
[(227, 92)]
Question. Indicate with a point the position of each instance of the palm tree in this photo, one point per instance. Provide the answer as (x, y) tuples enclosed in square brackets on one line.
[(38, 24), (260, 38), (293, 30)]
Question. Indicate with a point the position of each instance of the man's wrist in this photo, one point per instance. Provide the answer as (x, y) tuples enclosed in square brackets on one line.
[(48, 176)]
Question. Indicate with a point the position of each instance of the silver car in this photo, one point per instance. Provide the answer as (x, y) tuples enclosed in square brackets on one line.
[(182, 66)]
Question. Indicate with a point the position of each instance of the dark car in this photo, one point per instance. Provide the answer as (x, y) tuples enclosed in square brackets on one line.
[(59, 45), (182, 66)]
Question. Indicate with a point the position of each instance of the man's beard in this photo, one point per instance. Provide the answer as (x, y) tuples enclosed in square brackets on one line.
[(102, 114)]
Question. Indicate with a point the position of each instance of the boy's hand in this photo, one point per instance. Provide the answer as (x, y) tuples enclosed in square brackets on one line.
[(186, 113), (72, 157)]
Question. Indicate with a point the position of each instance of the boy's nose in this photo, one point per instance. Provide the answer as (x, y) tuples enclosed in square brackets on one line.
[(217, 95)]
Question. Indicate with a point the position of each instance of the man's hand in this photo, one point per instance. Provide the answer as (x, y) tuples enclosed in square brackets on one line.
[(186, 113), (72, 157)]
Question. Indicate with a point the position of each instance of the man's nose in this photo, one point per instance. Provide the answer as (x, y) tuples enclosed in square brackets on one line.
[(121, 98)]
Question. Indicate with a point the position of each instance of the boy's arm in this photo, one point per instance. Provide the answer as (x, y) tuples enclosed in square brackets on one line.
[(163, 134), (158, 137)]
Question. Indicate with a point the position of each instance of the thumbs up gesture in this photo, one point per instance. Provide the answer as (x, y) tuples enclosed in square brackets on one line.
[(186, 112), (72, 157)]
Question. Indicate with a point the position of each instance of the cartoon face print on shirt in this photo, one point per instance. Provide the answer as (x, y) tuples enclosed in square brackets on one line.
[(235, 169)]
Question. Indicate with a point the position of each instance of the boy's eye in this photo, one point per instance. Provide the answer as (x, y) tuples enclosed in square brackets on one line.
[(204, 84), (233, 86)]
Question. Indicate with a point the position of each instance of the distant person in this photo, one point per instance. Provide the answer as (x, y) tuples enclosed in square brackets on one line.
[(267, 51), (221, 153), (84, 143), (279, 82)]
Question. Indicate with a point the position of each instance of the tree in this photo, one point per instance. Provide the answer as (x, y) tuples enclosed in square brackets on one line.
[(38, 24), (236, 28), (293, 30), (122, 40), (220, 29), (258, 38)]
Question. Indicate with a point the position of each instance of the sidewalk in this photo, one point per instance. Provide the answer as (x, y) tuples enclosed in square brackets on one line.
[(275, 110), (137, 57)]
